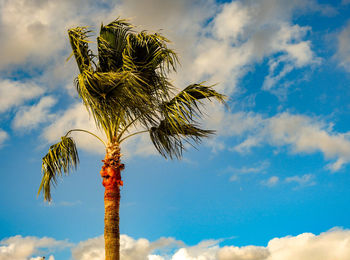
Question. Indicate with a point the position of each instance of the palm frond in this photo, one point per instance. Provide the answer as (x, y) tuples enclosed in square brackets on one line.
[(168, 140), (111, 44), (149, 51), (149, 55), (184, 107), (61, 158), (178, 124), (116, 96), (78, 38)]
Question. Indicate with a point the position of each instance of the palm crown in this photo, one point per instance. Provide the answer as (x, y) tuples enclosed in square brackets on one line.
[(126, 86)]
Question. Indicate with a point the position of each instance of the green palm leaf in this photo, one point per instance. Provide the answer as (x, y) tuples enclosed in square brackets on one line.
[(168, 140), (115, 98), (78, 38), (111, 44), (149, 51), (179, 124), (185, 106), (61, 158)]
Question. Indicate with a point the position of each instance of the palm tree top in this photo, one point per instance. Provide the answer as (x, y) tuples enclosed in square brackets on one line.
[(126, 85)]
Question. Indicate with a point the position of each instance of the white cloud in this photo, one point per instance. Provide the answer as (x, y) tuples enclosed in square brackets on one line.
[(304, 180), (247, 144), (306, 246), (311, 247), (272, 181), (301, 181), (257, 169), (139, 145), (29, 117), (3, 136), (237, 172), (307, 135), (38, 34), (205, 250), (343, 50), (91, 249), (244, 33), (20, 248), (130, 249), (232, 124), (15, 93), (76, 117), (302, 134)]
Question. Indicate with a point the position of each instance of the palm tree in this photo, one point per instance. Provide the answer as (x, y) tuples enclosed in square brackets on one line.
[(126, 87)]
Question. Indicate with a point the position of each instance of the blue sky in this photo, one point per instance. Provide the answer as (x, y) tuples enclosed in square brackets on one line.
[(272, 184)]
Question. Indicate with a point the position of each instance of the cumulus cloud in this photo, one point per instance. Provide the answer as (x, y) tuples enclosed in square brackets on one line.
[(130, 249), (39, 33), (20, 248), (15, 93), (327, 245), (300, 133), (29, 117), (244, 33), (307, 135), (91, 249)]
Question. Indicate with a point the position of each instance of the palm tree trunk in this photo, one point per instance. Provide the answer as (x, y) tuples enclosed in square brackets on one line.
[(112, 182), (111, 234)]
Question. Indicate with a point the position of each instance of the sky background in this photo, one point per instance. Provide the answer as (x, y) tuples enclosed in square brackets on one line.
[(273, 184)]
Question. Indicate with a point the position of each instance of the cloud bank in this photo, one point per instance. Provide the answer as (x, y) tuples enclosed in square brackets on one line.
[(21, 248), (333, 244), (306, 246)]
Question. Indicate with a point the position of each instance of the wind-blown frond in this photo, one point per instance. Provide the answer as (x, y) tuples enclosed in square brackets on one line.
[(149, 55), (179, 120), (184, 107), (149, 51), (168, 140), (61, 158), (111, 44), (78, 38), (112, 96)]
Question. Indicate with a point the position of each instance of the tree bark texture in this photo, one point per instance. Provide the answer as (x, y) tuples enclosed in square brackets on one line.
[(112, 181), (111, 233)]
